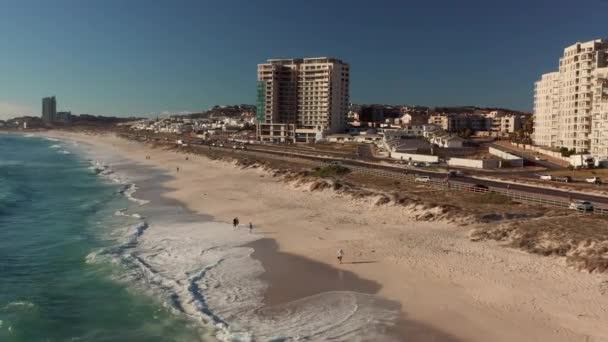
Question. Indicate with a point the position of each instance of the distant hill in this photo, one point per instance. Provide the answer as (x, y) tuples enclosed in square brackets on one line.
[(231, 111)]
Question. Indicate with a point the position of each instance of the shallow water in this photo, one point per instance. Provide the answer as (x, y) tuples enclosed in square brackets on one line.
[(56, 216)]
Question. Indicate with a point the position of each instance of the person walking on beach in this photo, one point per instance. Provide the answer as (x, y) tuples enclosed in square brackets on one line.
[(250, 228), (340, 255), (235, 222), (177, 168)]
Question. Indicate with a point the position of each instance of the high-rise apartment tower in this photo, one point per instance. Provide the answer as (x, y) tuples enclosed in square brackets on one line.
[(571, 104), (308, 96), (49, 109)]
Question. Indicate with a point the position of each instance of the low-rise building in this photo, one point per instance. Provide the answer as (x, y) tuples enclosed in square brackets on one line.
[(355, 138), (505, 123), (62, 117), (460, 122), (447, 141), (276, 133)]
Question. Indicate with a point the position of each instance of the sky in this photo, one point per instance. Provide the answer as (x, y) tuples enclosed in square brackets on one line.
[(143, 57)]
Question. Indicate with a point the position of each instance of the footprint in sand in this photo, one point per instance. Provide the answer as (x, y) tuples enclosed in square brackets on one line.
[(604, 287)]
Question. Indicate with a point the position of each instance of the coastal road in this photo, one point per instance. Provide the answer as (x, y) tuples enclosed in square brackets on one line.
[(550, 194)]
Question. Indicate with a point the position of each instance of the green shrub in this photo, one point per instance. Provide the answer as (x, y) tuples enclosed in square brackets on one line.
[(330, 171)]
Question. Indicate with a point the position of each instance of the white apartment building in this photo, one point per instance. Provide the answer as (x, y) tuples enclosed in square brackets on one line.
[(546, 106), (564, 108), (507, 124), (312, 93), (599, 118)]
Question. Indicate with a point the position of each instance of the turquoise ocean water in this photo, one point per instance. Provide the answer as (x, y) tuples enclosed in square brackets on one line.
[(54, 213)]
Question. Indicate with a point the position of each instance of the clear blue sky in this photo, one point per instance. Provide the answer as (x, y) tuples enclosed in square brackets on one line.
[(125, 57)]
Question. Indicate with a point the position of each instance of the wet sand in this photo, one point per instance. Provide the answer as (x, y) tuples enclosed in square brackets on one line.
[(291, 278)]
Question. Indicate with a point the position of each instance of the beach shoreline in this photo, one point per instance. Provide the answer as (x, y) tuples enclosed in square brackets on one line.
[(458, 289)]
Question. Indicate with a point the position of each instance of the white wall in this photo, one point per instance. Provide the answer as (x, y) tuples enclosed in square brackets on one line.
[(541, 150), (415, 157), (511, 159), (474, 163)]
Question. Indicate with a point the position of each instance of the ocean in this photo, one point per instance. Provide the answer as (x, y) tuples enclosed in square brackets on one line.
[(64, 237)]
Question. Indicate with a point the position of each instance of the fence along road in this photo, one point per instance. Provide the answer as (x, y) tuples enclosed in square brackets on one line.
[(518, 192), (451, 184)]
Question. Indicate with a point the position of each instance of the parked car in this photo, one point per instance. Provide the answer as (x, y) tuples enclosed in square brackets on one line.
[(478, 188), (565, 179), (539, 158), (546, 177), (455, 173), (594, 180), (581, 206), (422, 179)]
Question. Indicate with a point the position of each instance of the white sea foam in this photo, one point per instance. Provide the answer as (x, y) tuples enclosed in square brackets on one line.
[(205, 273), (22, 304), (51, 139), (10, 162), (123, 212), (131, 189), (107, 172), (91, 258), (64, 152), (55, 146)]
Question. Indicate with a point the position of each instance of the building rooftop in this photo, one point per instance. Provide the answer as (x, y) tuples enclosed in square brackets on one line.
[(304, 60)]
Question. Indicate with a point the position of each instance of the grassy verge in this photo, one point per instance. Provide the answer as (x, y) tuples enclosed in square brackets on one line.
[(581, 239)]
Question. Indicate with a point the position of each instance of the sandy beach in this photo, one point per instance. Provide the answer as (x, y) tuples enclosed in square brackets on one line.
[(444, 287)]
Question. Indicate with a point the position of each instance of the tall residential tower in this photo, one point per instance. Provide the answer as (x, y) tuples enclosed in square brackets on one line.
[(49, 109), (570, 104), (302, 99)]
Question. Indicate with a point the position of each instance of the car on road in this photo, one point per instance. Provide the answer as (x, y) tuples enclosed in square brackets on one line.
[(564, 179), (539, 158), (478, 188), (335, 163), (455, 173), (422, 179), (581, 205), (594, 180), (546, 177)]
